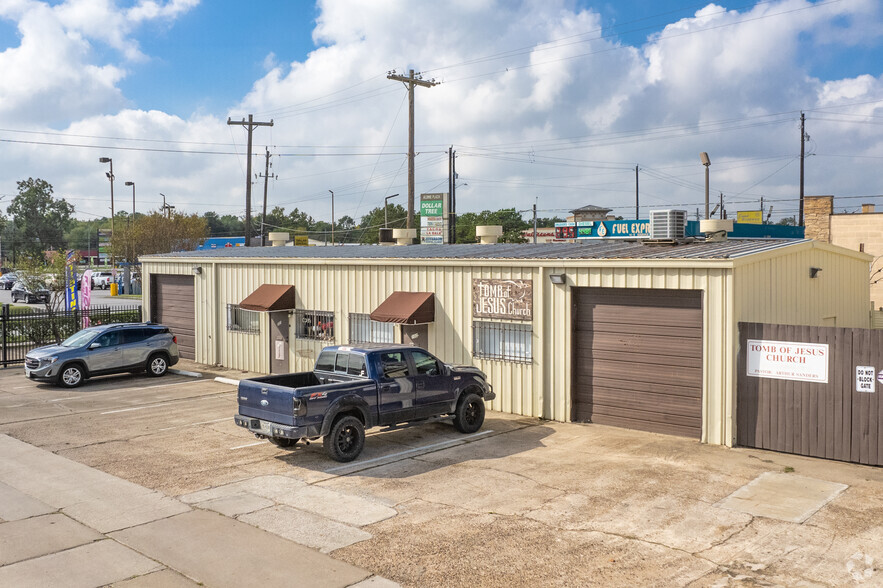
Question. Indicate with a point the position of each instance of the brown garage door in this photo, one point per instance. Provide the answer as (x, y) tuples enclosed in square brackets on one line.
[(637, 359), (173, 306)]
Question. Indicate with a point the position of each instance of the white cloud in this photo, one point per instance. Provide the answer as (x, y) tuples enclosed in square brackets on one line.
[(564, 122)]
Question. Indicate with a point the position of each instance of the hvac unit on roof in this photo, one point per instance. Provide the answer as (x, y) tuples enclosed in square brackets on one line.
[(668, 224)]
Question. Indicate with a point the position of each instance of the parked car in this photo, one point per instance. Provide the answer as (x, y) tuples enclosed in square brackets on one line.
[(102, 280), (8, 280), (353, 388), (20, 292), (105, 349)]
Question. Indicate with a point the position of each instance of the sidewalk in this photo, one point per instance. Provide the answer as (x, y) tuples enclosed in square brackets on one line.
[(63, 523)]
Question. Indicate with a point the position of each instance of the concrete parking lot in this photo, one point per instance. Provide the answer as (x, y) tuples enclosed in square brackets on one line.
[(523, 502)]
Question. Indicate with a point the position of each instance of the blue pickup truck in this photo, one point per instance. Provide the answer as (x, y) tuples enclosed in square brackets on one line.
[(353, 388)]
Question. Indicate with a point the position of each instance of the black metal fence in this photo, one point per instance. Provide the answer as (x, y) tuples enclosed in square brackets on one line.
[(22, 329)]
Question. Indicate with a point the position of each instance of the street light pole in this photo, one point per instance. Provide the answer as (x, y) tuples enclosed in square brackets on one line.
[(703, 157), (385, 216), (131, 238), (113, 267)]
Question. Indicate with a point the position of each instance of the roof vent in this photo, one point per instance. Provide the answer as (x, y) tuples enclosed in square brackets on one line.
[(277, 239), (716, 229), (488, 234), (668, 224)]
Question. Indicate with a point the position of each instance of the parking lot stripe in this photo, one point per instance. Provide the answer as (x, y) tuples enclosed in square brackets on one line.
[(249, 445), (450, 443), (139, 407), (194, 424)]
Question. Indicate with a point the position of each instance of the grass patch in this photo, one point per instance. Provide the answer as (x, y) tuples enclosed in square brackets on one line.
[(788, 470)]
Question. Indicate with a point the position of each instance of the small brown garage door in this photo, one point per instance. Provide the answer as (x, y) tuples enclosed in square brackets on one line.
[(637, 359), (173, 306)]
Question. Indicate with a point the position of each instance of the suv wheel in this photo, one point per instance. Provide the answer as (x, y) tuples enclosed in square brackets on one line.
[(346, 439), (157, 365), (71, 376), (470, 413)]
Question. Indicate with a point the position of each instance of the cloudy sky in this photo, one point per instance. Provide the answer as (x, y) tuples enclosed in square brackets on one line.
[(552, 102)]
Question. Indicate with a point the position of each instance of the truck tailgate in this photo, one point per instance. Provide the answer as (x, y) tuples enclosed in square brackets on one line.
[(266, 401)]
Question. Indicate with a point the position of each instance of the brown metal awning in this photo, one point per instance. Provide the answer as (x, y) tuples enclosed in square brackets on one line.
[(270, 297), (410, 308)]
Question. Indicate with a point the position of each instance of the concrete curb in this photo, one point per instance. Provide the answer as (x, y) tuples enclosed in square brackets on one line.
[(185, 373), (230, 381)]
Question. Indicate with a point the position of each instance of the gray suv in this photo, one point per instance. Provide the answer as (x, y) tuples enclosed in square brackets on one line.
[(105, 349)]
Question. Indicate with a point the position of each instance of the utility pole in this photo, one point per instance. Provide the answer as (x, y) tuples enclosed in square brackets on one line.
[(250, 126), (410, 82), (803, 138), (452, 192), (721, 215), (637, 208), (266, 176), (534, 224)]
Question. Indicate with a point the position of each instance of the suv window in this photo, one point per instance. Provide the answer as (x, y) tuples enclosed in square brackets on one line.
[(133, 335), (108, 339)]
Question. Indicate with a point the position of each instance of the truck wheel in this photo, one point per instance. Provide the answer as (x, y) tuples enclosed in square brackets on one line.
[(282, 441), (346, 439), (470, 413)]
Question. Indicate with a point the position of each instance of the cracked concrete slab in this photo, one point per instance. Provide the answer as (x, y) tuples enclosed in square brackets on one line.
[(42, 535), (241, 554), (87, 566), (15, 505), (783, 496), (348, 508), (305, 528)]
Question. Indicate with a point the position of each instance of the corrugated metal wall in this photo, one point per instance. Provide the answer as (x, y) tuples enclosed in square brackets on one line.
[(770, 288)]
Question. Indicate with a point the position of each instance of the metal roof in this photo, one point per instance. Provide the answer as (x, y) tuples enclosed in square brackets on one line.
[(608, 249)]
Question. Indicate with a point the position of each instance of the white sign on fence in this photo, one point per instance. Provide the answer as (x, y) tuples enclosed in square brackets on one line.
[(864, 378), (786, 360)]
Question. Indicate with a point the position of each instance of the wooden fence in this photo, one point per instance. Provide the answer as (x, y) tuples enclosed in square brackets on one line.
[(820, 419)]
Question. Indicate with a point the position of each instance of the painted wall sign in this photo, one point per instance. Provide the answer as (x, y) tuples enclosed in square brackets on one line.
[(786, 360), (864, 378), (506, 299)]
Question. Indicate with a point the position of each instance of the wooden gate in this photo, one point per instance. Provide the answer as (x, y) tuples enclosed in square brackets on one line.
[(831, 420)]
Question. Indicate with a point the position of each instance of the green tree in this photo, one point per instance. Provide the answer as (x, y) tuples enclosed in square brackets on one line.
[(509, 218), (224, 226), (788, 221), (39, 221), (374, 221), (157, 233)]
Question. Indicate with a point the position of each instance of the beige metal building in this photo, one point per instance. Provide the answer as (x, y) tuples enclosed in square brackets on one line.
[(620, 333)]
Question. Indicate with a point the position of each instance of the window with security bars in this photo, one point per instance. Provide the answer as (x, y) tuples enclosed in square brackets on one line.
[(314, 324), (365, 330), (504, 341), (243, 321)]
